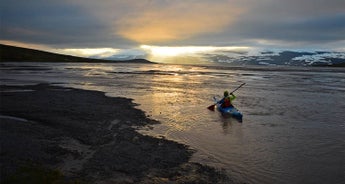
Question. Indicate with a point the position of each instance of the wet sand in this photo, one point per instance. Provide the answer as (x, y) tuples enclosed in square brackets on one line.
[(89, 137)]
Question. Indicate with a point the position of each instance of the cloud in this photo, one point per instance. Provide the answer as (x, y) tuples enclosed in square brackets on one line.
[(308, 29), (176, 20), (127, 24), (292, 22), (55, 23)]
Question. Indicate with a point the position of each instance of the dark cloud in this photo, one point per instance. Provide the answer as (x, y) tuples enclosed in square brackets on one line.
[(306, 21), (55, 23), (315, 29)]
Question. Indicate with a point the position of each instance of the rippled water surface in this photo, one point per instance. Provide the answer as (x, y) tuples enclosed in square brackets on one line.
[(293, 129)]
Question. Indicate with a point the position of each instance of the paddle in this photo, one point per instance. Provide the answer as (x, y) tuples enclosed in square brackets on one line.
[(211, 107)]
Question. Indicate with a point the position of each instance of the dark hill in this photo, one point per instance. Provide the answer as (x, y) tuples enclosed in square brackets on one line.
[(18, 54)]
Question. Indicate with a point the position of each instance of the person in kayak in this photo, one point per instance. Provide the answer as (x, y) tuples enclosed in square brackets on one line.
[(227, 99)]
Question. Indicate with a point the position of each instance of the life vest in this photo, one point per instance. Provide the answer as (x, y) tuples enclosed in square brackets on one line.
[(227, 102)]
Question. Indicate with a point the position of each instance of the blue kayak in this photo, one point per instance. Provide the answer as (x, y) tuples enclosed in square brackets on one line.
[(229, 111)]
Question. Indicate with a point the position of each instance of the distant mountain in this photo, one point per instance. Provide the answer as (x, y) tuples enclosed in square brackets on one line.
[(18, 54), (288, 58)]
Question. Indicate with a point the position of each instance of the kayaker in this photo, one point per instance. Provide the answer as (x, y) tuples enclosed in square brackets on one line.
[(227, 99)]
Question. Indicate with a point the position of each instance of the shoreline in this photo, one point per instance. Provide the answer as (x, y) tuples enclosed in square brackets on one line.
[(89, 137), (10, 53)]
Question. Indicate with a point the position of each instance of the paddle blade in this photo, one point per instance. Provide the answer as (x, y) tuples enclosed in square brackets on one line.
[(211, 107)]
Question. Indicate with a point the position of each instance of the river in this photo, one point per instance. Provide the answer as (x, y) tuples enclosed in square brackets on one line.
[(293, 128)]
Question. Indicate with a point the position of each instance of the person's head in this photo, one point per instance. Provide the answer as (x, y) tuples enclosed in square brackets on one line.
[(226, 93)]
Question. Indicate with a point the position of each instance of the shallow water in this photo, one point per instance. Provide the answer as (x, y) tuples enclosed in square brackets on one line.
[(293, 129)]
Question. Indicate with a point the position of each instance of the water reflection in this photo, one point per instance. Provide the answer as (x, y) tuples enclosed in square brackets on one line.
[(227, 125)]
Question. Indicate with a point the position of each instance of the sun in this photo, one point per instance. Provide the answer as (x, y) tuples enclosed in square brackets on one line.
[(163, 51)]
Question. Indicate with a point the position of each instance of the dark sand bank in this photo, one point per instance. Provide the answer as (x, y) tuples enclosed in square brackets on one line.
[(88, 137)]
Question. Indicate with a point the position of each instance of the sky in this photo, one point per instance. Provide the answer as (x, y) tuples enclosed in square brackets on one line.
[(103, 28)]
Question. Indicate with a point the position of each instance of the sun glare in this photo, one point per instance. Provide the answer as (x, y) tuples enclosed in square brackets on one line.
[(87, 52), (166, 51)]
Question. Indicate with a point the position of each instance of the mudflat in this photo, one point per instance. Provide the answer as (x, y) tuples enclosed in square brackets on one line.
[(88, 137)]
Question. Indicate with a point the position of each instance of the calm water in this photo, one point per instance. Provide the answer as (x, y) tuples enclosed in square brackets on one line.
[(293, 129)]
